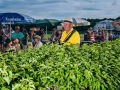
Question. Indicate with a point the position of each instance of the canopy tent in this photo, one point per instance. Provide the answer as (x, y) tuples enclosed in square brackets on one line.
[(47, 22), (107, 24), (15, 18), (78, 22)]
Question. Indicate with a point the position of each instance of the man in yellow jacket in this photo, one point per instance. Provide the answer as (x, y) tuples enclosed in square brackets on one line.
[(69, 35)]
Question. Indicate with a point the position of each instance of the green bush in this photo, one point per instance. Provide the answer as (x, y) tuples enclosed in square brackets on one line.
[(57, 67)]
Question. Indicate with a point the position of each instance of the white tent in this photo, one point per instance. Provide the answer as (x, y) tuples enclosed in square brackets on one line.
[(77, 21), (107, 24)]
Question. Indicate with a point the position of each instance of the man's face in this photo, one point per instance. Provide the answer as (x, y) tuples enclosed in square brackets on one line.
[(67, 26), (37, 40), (59, 31), (17, 30)]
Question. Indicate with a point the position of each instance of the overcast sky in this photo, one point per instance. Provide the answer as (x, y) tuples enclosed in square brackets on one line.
[(59, 9)]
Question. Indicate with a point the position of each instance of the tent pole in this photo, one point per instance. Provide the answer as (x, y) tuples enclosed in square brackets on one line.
[(10, 29), (107, 36), (46, 33)]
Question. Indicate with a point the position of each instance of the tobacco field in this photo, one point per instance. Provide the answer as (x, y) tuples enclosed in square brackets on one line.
[(60, 67)]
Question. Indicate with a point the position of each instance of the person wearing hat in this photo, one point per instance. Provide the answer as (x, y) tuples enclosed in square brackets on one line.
[(19, 35), (38, 42), (91, 35), (32, 34), (53, 34), (58, 34), (69, 35), (8, 46)]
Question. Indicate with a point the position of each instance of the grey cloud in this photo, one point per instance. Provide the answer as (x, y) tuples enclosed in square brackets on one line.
[(55, 1), (114, 3), (62, 8), (90, 9), (91, 1)]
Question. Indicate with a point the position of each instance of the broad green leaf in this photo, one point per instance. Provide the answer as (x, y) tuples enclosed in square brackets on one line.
[(7, 80)]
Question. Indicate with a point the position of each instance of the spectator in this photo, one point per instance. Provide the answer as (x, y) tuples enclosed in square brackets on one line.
[(6, 33), (3, 27), (92, 36), (38, 31), (29, 45), (19, 35), (114, 35), (53, 34), (99, 31), (24, 31), (106, 36), (38, 42), (103, 36), (58, 34), (69, 35), (8, 46), (103, 28), (16, 44), (42, 34), (98, 36), (89, 33), (110, 35), (86, 35), (32, 35)]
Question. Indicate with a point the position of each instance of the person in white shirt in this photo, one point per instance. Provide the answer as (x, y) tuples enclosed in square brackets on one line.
[(38, 42), (6, 33), (3, 27)]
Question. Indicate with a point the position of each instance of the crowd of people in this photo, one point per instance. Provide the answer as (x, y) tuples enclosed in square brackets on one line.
[(100, 35), (19, 39)]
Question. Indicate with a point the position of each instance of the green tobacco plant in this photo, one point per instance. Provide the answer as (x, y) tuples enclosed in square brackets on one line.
[(61, 67)]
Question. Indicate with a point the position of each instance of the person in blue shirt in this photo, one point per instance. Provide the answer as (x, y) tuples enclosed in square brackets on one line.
[(18, 35)]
